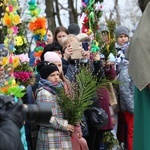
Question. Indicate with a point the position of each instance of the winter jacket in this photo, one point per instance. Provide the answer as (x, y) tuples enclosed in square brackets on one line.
[(126, 87), (103, 97), (10, 136), (55, 136), (73, 69), (65, 65), (11, 120), (78, 142)]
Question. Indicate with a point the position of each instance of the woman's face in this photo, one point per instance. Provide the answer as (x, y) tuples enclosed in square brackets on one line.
[(60, 36), (59, 66), (54, 77), (49, 37)]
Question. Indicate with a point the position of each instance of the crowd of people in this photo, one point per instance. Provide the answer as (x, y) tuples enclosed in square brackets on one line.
[(57, 69)]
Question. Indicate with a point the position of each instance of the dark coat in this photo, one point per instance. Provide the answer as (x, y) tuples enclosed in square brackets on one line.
[(65, 65), (102, 92), (103, 99), (10, 136)]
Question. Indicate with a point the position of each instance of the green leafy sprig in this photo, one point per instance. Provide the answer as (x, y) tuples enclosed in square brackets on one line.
[(109, 140), (79, 99)]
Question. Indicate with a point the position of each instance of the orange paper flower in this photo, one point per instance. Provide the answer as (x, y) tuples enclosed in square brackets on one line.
[(4, 89), (38, 54), (39, 23), (7, 20)]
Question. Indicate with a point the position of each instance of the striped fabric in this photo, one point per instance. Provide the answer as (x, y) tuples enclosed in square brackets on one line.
[(55, 136)]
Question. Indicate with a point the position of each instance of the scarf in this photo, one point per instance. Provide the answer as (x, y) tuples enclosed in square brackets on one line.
[(138, 52), (49, 86)]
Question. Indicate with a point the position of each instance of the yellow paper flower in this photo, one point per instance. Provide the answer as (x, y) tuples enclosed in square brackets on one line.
[(24, 39), (16, 19), (42, 32), (7, 20), (5, 61), (6, 41), (16, 62), (18, 41)]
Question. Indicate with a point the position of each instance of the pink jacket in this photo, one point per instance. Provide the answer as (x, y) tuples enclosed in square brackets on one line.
[(78, 142)]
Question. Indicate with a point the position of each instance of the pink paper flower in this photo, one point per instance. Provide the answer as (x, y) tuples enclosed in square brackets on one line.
[(10, 8), (22, 75), (14, 29), (23, 58)]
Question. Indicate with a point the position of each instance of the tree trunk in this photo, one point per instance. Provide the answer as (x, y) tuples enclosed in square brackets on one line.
[(73, 15), (58, 13), (142, 4), (117, 12), (50, 14)]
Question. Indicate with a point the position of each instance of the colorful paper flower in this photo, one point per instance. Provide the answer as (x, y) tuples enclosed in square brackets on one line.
[(16, 19), (39, 23), (16, 62), (18, 41), (4, 61), (7, 20), (23, 58), (10, 87), (11, 60), (14, 29), (41, 32), (22, 75)]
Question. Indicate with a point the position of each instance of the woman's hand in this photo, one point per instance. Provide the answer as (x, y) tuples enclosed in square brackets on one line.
[(68, 52), (70, 128), (96, 57), (85, 54), (107, 64)]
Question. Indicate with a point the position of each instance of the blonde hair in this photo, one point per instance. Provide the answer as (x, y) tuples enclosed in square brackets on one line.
[(67, 40)]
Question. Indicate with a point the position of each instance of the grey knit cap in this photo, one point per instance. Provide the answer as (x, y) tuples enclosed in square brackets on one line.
[(122, 30), (104, 28)]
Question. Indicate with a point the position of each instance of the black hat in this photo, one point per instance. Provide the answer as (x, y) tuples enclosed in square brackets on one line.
[(74, 28), (45, 68), (55, 46)]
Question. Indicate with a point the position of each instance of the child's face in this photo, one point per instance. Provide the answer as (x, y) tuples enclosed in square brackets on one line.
[(122, 39), (54, 77)]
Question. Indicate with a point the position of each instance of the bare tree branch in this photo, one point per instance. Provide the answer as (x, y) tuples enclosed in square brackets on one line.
[(58, 12), (62, 7)]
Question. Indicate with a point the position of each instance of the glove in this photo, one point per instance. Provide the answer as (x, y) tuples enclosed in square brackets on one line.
[(12, 111)]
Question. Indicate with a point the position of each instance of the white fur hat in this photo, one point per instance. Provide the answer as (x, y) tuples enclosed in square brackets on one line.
[(83, 37)]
